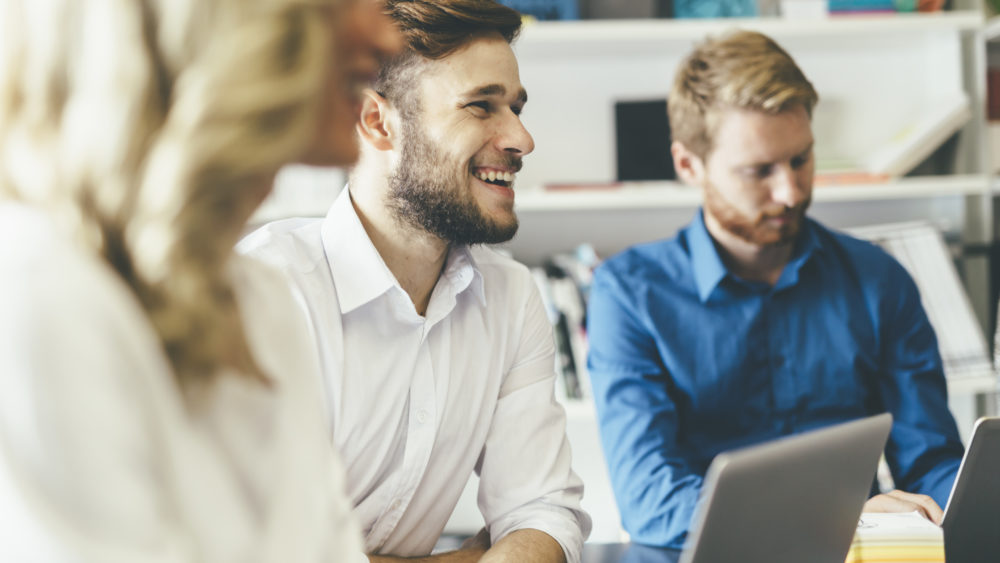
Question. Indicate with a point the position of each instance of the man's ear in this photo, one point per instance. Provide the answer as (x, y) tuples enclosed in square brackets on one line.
[(689, 166), (375, 126)]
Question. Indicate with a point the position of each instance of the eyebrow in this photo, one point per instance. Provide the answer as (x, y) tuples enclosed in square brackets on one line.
[(802, 153), (495, 90)]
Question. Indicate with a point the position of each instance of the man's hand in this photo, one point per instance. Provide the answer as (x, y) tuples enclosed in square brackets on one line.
[(899, 501)]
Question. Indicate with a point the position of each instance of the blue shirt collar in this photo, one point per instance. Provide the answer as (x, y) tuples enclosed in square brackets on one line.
[(709, 269), (706, 263)]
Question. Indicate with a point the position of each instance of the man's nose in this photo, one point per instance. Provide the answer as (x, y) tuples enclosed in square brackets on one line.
[(513, 137), (790, 187)]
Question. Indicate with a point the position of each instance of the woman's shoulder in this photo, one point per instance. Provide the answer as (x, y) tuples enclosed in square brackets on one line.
[(59, 300)]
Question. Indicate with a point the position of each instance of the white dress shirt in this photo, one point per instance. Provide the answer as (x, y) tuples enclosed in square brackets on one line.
[(103, 460), (416, 403)]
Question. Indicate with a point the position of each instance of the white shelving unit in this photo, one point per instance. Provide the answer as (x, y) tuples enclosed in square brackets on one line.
[(874, 74)]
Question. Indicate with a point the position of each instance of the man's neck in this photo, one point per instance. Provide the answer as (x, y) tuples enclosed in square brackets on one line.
[(416, 258), (749, 261)]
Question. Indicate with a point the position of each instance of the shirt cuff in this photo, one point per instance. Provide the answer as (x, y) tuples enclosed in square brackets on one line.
[(568, 527)]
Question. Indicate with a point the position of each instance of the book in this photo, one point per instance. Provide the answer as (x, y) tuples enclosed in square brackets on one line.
[(915, 142), (896, 538)]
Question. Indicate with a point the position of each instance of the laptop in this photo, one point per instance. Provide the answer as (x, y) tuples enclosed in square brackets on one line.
[(972, 516), (792, 500)]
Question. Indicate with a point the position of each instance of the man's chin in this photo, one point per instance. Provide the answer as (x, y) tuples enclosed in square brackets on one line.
[(770, 236), (500, 235)]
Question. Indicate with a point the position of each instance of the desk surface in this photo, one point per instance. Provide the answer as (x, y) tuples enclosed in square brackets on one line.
[(627, 553)]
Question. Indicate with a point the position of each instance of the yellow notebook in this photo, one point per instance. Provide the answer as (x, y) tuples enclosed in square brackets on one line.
[(896, 538)]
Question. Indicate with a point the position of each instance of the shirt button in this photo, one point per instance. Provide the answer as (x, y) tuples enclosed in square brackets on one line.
[(423, 415)]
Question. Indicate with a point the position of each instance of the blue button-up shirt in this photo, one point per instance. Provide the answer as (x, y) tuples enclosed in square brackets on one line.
[(688, 360)]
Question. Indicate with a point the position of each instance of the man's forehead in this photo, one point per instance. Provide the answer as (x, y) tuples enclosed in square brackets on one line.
[(495, 89), (791, 125), (486, 66)]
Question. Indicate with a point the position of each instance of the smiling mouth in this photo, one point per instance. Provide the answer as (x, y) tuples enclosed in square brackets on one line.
[(496, 177)]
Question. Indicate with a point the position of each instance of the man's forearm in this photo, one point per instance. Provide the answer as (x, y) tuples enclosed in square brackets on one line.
[(526, 546), (471, 550), (460, 556)]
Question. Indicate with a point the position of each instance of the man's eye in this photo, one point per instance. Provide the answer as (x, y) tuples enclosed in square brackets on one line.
[(481, 106), (757, 172)]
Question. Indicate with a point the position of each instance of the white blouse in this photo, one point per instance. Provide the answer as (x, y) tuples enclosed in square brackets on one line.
[(102, 460)]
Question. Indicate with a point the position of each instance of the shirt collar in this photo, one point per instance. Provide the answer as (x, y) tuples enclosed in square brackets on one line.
[(462, 272), (706, 263), (709, 270), (359, 273)]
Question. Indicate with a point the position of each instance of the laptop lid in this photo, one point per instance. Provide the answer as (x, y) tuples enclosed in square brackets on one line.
[(972, 516), (791, 500)]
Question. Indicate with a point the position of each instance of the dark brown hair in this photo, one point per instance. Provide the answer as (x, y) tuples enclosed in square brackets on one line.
[(434, 29)]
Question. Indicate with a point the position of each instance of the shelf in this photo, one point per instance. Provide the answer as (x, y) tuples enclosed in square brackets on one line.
[(644, 195), (983, 384), (596, 35), (991, 30)]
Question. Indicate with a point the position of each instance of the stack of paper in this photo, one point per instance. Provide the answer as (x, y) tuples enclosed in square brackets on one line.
[(896, 538)]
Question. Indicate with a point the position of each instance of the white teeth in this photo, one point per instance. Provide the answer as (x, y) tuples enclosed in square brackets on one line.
[(493, 176)]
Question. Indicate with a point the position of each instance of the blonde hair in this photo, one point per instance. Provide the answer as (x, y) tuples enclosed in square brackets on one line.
[(742, 70), (151, 129)]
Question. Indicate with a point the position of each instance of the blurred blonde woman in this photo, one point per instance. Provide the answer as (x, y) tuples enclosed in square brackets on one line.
[(158, 395)]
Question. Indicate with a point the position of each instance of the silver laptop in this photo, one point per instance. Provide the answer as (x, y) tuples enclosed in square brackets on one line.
[(792, 500), (972, 517)]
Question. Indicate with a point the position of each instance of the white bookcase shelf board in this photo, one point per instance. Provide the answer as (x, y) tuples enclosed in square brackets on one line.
[(991, 30), (644, 195), (595, 35)]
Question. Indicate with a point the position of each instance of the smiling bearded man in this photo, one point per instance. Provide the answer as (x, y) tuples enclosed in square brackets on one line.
[(437, 353)]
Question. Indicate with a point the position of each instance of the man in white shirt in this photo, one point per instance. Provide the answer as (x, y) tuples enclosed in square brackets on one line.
[(437, 353)]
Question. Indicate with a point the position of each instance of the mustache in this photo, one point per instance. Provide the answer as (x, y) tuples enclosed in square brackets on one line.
[(505, 161), (784, 211)]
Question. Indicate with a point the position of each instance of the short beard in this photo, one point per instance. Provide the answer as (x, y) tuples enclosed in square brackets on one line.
[(753, 230), (420, 197)]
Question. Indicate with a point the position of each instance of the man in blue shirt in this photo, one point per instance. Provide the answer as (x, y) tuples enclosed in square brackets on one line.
[(755, 321)]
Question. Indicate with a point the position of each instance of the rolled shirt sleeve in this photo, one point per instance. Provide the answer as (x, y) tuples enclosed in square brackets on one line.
[(526, 479)]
